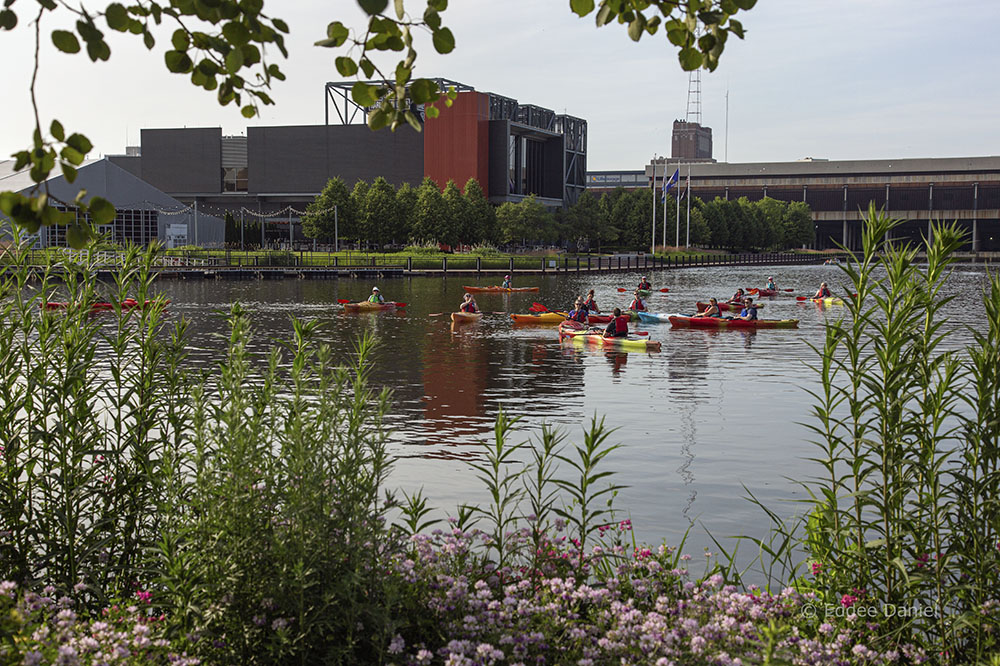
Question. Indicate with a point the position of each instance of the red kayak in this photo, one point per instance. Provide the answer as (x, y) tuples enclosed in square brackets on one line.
[(726, 307), (764, 292), (679, 321), (100, 306), (496, 289)]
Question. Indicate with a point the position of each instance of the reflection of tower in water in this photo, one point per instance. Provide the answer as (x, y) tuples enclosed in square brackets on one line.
[(688, 431)]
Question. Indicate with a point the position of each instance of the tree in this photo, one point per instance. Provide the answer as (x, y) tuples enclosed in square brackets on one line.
[(480, 217), (452, 222), (379, 213), (427, 213), (406, 204), (330, 216), (584, 220), (796, 227), (358, 204), (227, 37)]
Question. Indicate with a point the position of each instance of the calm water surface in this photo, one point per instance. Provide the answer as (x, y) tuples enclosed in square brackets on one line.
[(710, 413)]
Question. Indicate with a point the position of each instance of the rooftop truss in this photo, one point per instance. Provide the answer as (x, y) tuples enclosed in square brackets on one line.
[(348, 112)]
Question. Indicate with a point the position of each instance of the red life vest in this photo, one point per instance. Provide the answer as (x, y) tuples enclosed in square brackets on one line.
[(621, 324)]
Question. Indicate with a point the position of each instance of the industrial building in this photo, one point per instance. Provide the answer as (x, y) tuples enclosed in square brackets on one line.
[(514, 150), (963, 189), (144, 213)]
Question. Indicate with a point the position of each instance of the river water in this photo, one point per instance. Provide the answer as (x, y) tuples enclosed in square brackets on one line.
[(713, 412)]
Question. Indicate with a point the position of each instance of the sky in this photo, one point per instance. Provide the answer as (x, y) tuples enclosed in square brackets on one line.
[(833, 79)]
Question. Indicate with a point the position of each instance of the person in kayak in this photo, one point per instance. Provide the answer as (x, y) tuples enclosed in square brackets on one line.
[(637, 304), (644, 284), (578, 313), (749, 311), (376, 296), (590, 303), (770, 284), (823, 291), (507, 284), (469, 304), (712, 310), (618, 328), (738, 298)]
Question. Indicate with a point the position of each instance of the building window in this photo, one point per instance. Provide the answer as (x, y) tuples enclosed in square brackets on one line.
[(234, 179)]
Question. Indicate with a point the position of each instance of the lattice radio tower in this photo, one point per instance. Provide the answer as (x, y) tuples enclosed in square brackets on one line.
[(694, 97)]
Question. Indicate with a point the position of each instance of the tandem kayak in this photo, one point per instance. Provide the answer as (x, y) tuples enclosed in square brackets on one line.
[(680, 321), (101, 306), (466, 317), (481, 290), (726, 307), (574, 331), (654, 318), (833, 300), (365, 306), (540, 318)]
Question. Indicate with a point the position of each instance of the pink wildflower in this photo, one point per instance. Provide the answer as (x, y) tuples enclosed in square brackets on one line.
[(848, 600)]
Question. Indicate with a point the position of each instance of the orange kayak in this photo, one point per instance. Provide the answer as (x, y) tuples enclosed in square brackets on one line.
[(100, 306), (365, 306), (466, 317), (481, 290)]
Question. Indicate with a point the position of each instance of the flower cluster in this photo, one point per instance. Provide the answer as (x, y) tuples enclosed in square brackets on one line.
[(44, 629)]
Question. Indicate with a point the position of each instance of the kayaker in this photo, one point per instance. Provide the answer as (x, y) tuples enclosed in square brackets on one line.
[(590, 303), (738, 297), (637, 303), (507, 284), (712, 310), (578, 313), (823, 291), (770, 284), (749, 311), (618, 328), (376, 296), (644, 284), (469, 304)]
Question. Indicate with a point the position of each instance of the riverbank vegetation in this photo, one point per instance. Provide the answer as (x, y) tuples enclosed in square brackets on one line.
[(157, 511), (377, 216)]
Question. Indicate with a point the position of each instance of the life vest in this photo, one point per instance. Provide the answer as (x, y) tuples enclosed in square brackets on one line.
[(771, 286), (578, 315), (825, 292), (750, 313), (621, 325), (645, 286), (468, 306), (637, 305), (591, 305), (375, 298), (737, 297), (507, 284)]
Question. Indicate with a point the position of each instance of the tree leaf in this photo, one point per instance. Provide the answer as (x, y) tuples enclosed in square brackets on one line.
[(423, 91), (117, 17), (77, 236), (101, 211), (438, 5), (412, 119), (65, 41), (581, 7), (177, 61), (234, 61), (80, 143), (400, 11), (69, 172), (444, 41), (8, 19), (236, 33), (346, 66), (635, 27), (378, 119), (280, 25), (363, 94), (367, 67), (690, 59), (57, 131), (373, 7), (248, 111)]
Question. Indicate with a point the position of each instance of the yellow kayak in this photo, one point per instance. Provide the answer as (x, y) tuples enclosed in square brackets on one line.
[(466, 317), (540, 318)]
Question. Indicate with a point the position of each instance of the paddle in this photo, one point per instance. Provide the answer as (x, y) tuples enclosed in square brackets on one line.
[(343, 300), (787, 290), (664, 290)]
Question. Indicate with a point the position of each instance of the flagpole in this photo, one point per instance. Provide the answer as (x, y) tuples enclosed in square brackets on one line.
[(652, 247), (687, 242), (678, 243)]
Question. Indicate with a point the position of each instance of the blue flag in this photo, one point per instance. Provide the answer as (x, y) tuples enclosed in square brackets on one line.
[(668, 183)]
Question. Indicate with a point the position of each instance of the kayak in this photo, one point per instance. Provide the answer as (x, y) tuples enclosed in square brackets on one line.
[(575, 332), (599, 319), (365, 306), (680, 321), (764, 292), (480, 290), (100, 306), (645, 293), (465, 317), (654, 318), (540, 318), (833, 300), (726, 307)]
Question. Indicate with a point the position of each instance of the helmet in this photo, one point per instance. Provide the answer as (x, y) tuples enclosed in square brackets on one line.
[(506, 277), (374, 288)]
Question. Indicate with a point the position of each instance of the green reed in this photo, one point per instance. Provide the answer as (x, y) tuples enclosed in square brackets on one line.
[(904, 514)]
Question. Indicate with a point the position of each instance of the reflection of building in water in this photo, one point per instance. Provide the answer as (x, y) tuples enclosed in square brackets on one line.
[(455, 376)]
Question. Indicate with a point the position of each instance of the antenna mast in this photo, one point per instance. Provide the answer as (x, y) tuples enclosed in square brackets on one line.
[(694, 97)]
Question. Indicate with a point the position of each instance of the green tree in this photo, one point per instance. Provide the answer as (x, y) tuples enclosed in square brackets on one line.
[(330, 214), (427, 213), (525, 221), (584, 220), (379, 213), (797, 228), (481, 219), (358, 204), (452, 223), (406, 204)]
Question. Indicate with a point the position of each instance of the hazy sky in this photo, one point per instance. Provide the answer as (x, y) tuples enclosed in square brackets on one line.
[(836, 79)]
